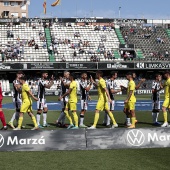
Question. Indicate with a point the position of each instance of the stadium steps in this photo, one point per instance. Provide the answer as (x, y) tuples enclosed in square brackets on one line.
[(139, 53), (168, 32), (117, 54), (48, 38), (119, 35), (148, 45)]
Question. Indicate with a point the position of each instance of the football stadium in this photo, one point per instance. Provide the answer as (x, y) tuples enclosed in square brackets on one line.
[(84, 84)]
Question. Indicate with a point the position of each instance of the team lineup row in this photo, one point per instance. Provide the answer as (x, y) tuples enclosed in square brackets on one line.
[(68, 97)]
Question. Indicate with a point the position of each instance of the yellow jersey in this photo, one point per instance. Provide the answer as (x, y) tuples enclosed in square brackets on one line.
[(24, 94), (167, 88), (131, 87), (73, 94), (100, 88)]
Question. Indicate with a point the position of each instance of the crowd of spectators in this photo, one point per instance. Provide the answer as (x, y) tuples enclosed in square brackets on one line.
[(14, 49), (127, 55), (83, 47)]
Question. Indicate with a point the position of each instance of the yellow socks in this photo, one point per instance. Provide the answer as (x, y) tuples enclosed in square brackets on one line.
[(112, 118), (165, 116), (133, 120), (20, 122), (75, 118), (68, 117), (96, 118), (34, 121)]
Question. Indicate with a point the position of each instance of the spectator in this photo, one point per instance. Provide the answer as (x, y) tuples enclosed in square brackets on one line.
[(96, 28), (155, 29), (34, 26), (121, 53), (36, 47), (76, 34), (44, 44), (126, 38), (51, 49), (69, 24), (75, 53), (8, 33), (166, 53), (11, 34), (63, 59), (158, 40), (2, 56), (104, 28), (81, 51), (56, 51)]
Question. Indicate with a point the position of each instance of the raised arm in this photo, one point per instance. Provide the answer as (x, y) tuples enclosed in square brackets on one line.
[(140, 83), (48, 86), (92, 81)]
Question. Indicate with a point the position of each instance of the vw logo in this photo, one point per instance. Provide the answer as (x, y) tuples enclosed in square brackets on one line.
[(135, 137), (1, 140)]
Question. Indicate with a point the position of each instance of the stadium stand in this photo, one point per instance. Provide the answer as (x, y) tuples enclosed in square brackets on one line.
[(80, 43), (149, 41), (23, 43), (5, 85)]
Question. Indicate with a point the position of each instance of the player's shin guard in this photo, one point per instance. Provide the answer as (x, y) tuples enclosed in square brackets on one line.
[(34, 121), (154, 117), (112, 117), (68, 117), (165, 117), (2, 117), (133, 120), (105, 118), (61, 117), (44, 118), (13, 117), (157, 114), (17, 116), (96, 118), (75, 118), (38, 118), (81, 119), (20, 122), (108, 120)]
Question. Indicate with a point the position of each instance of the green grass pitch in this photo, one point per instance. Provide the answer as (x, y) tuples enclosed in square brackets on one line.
[(127, 159)]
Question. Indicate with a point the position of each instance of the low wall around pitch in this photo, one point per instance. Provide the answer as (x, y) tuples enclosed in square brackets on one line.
[(84, 139)]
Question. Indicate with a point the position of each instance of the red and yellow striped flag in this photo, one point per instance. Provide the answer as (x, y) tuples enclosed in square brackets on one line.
[(45, 6), (57, 2)]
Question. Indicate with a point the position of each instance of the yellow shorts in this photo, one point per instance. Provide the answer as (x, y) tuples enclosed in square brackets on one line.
[(166, 103), (26, 107), (102, 105), (71, 106), (130, 106)]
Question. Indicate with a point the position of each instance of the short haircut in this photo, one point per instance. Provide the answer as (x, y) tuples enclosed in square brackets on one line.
[(66, 71), (23, 78), (167, 72), (129, 73), (157, 74), (44, 72), (100, 73), (73, 75), (113, 73), (83, 73), (20, 72)]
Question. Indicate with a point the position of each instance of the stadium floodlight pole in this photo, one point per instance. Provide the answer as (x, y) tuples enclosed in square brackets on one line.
[(76, 10), (91, 6), (119, 11)]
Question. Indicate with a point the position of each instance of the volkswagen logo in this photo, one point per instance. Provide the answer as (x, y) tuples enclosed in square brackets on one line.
[(135, 137), (1, 140)]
